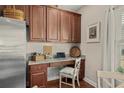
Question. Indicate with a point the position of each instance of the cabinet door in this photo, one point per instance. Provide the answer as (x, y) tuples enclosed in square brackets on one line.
[(39, 79), (76, 28), (53, 24), (38, 75), (38, 23), (65, 26)]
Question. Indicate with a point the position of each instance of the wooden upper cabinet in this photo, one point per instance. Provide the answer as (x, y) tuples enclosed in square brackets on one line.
[(25, 9), (76, 28), (53, 24), (50, 24), (65, 26), (38, 23), (1, 9)]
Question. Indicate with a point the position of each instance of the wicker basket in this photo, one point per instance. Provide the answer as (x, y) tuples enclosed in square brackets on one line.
[(38, 58), (11, 12), (75, 52)]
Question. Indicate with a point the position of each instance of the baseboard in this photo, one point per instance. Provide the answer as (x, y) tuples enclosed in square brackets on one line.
[(90, 82)]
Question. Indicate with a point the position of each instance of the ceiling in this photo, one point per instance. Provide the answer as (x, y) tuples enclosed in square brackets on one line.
[(71, 7)]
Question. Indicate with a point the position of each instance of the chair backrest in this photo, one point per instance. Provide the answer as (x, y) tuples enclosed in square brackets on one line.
[(108, 75), (77, 66)]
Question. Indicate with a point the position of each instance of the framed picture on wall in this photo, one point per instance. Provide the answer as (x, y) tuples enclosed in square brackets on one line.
[(93, 32)]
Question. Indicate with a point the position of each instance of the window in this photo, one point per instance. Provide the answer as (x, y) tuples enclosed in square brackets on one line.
[(119, 38)]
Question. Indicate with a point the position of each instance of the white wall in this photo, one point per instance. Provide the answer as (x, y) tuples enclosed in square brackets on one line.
[(56, 47), (93, 51)]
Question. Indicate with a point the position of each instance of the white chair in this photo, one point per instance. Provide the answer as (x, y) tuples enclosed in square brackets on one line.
[(69, 72), (109, 75)]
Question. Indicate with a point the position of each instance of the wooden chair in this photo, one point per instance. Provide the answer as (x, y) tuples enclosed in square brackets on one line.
[(109, 75), (69, 72)]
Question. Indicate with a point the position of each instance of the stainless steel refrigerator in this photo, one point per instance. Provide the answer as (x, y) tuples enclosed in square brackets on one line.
[(12, 53)]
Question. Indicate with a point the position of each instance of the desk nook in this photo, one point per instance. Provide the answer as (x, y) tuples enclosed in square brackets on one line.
[(38, 71)]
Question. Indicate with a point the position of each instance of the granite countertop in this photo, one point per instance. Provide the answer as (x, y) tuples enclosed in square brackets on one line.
[(52, 60)]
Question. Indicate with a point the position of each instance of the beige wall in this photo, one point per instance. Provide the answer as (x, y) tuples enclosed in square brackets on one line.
[(93, 51)]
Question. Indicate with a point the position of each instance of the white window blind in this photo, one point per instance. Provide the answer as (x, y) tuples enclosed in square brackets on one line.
[(122, 27), (121, 39)]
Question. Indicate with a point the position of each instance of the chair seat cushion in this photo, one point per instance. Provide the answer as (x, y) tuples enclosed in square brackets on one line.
[(67, 70)]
